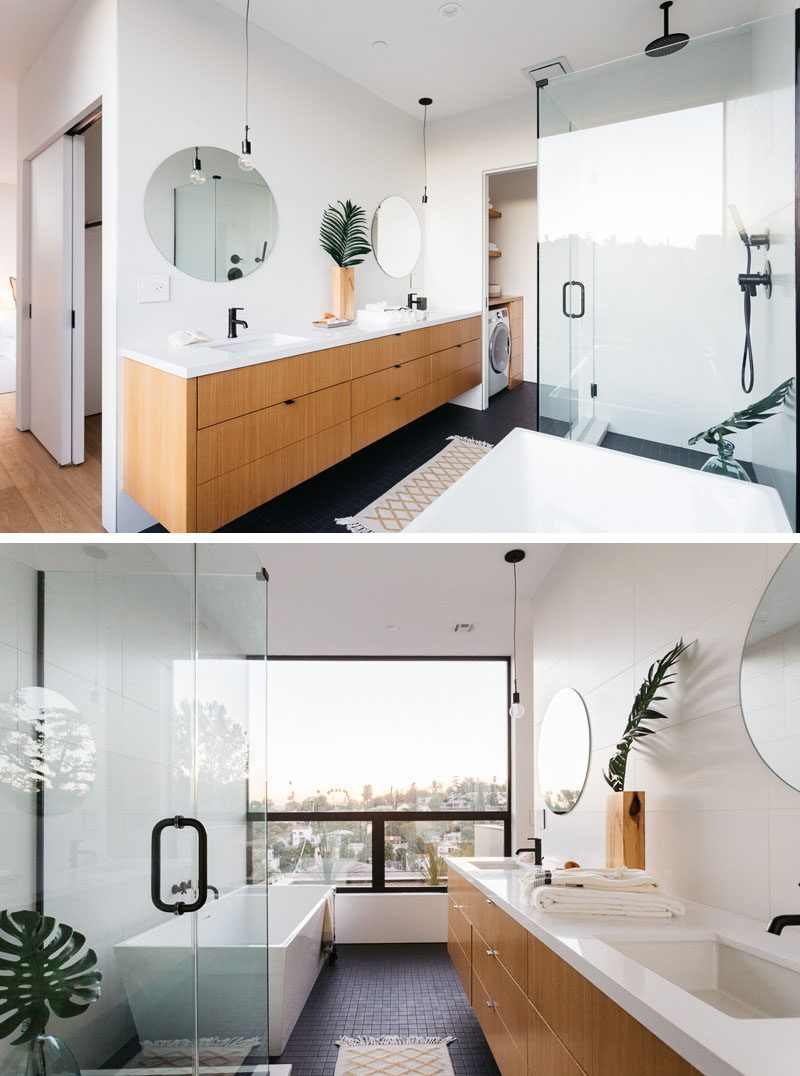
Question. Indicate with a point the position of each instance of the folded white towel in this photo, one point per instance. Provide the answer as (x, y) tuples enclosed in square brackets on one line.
[(618, 879), (187, 336), (567, 901), (383, 305)]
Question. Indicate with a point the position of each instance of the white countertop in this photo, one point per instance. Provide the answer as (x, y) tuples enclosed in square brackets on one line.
[(534, 483), (716, 1044), (252, 347)]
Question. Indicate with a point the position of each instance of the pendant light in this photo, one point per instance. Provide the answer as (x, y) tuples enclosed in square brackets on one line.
[(425, 101), (246, 159), (197, 175), (513, 557)]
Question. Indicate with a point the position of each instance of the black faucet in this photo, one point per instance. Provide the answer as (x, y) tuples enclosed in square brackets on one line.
[(214, 890), (234, 322), (777, 924), (537, 850), (418, 301)]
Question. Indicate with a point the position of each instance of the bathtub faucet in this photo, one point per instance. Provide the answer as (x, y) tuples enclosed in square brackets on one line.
[(182, 887), (214, 890)]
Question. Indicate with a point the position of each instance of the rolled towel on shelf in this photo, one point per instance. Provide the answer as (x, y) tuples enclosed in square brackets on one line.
[(569, 901), (608, 879)]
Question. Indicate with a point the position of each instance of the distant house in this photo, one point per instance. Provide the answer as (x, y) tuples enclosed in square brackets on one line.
[(301, 833)]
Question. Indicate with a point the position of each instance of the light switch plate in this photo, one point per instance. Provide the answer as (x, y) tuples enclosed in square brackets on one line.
[(152, 289)]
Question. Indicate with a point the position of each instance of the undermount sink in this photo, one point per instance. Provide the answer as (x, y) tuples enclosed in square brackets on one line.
[(495, 864), (262, 342), (735, 981)]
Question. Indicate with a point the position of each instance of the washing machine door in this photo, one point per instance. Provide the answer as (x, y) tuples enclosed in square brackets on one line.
[(500, 348)]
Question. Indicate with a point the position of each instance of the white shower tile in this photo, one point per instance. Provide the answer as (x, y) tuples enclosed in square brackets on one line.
[(784, 862), (609, 706)]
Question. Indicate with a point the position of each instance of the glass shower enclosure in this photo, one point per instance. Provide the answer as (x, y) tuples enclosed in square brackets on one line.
[(641, 319), (132, 750)]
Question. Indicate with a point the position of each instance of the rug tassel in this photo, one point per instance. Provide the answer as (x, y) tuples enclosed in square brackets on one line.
[(395, 1040), (469, 441), (355, 526)]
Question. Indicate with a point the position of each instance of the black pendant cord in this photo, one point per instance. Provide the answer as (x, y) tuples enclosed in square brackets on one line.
[(515, 629), (247, 67), (748, 372), (425, 147)]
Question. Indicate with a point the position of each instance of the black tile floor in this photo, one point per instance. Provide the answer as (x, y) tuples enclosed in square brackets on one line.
[(349, 486), (387, 990)]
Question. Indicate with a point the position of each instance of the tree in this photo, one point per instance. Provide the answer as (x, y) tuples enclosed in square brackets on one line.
[(367, 795)]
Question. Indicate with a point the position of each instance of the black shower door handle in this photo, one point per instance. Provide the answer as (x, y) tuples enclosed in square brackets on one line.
[(573, 284), (180, 907)]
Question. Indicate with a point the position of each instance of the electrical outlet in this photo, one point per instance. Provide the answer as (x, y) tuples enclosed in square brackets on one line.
[(152, 289)]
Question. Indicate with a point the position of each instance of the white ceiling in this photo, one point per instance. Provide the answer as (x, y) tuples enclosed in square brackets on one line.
[(341, 598), (477, 58), (27, 26)]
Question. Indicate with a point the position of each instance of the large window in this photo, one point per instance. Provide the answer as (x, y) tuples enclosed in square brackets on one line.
[(380, 768)]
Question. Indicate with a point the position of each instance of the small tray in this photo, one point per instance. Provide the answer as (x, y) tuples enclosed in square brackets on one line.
[(342, 323)]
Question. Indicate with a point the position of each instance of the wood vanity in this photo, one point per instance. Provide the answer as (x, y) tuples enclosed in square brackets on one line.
[(201, 451), (540, 1016)]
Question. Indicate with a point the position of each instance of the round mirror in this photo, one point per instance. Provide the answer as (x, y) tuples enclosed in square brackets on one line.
[(564, 751), (770, 676), (396, 236), (208, 218)]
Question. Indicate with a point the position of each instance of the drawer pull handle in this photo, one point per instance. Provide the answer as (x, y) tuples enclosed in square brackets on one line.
[(489, 901), (489, 1004), (491, 952), (398, 398), (287, 402), (458, 906)]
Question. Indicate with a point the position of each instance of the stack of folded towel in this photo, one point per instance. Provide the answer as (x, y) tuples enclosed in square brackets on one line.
[(600, 891)]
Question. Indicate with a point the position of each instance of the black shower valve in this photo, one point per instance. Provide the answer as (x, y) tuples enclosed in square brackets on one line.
[(750, 282)]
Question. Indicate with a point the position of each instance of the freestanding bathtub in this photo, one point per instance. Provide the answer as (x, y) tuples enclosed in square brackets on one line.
[(157, 966)]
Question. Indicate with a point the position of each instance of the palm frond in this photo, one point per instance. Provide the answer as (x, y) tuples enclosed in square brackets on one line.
[(658, 676), (344, 235), (751, 416)]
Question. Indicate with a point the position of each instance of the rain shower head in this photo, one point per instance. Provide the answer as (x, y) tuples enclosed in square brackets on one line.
[(667, 43)]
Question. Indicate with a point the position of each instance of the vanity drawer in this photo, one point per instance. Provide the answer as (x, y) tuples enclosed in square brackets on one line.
[(459, 925), (444, 363), (546, 1052), (228, 445), (510, 1060), (454, 332), (510, 942), (317, 453), (447, 388), (509, 1000), (239, 392), (236, 492), (375, 389), (386, 351), (460, 963), (379, 421)]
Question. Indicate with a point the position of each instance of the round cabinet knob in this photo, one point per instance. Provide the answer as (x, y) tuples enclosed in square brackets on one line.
[(491, 952), (489, 901)]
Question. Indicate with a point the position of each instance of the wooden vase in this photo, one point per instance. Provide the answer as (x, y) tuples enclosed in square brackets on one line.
[(625, 830), (344, 295)]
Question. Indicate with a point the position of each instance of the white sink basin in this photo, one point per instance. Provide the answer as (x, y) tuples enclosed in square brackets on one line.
[(260, 343), (735, 981), (370, 320), (496, 864)]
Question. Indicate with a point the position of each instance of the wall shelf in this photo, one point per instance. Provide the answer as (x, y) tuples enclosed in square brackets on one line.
[(495, 254)]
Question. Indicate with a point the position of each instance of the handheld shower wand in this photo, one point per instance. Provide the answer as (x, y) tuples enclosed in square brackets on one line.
[(749, 282)]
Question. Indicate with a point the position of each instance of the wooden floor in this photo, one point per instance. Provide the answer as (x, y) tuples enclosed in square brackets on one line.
[(36, 495)]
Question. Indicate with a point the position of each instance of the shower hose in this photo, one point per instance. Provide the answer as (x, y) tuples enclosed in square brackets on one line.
[(747, 357)]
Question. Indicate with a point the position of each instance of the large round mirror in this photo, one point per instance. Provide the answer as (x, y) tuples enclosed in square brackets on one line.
[(564, 751), (396, 236), (770, 677), (208, 218)]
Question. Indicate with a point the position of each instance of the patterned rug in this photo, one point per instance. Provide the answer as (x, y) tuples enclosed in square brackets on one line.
[(224, 1055), (393, 511), (392, 1056)]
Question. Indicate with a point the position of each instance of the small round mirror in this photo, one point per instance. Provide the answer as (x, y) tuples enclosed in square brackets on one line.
[(564, 751), (396, 236), (770, 675), (208, 218)]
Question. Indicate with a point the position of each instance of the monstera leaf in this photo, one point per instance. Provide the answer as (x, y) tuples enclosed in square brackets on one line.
[(36, 976)]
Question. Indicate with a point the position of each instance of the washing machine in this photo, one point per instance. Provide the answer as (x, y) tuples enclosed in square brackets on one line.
[(499, 346)]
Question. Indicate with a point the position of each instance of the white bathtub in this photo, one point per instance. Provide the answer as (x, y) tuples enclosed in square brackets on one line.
[(534, 483), (157, 966)]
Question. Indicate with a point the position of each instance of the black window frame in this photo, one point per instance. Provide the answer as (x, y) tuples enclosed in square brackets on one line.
[(379, 819)]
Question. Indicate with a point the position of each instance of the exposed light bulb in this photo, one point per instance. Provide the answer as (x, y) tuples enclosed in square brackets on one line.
[(516, 710), (197, 175), (246, 162)]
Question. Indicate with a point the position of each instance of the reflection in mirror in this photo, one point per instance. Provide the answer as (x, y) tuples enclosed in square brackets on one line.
[(564, 750), (770, 677), (396, 236), (214, 222)]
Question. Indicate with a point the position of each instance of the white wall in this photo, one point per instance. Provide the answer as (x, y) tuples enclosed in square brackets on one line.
[(721, 828), (76, 70), (8, 242), (514, 194), (8, 126), (460, 150), (388, 918), (770, 697), (316, 138), (93, 318)]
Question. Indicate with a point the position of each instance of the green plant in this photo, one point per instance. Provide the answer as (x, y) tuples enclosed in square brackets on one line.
[(642, 710), (36, 976), (433, 867), (751, 416), (343, 233)]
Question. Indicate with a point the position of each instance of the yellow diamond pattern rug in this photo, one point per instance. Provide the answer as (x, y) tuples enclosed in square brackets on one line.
[(392, 512), (216, 1055), (393, 1056)]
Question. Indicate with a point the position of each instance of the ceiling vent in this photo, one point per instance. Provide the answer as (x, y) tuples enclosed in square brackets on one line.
[(462, 628), (543, 72)]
